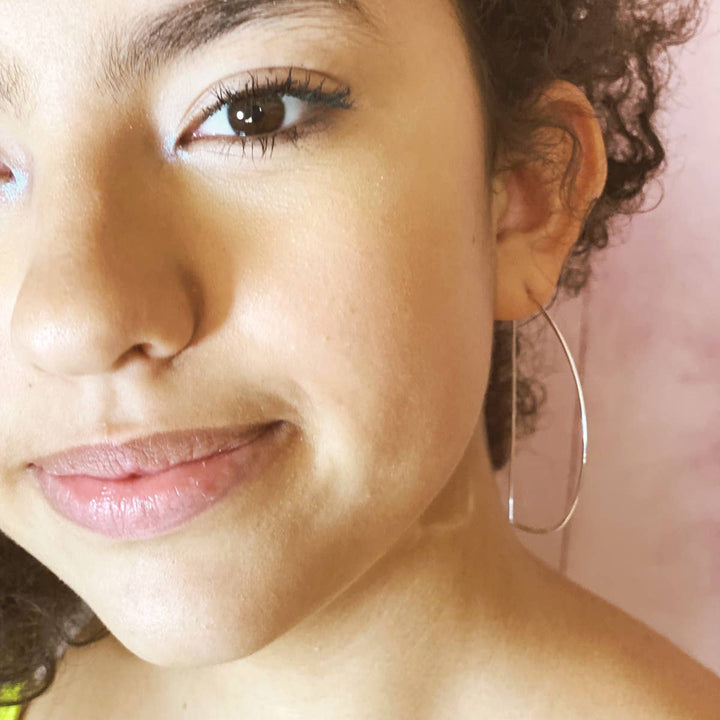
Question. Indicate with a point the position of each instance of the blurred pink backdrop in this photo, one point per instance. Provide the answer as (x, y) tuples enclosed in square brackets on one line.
[(646, 337)]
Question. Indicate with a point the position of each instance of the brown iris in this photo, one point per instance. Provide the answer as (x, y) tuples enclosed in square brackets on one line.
[(256, 116)]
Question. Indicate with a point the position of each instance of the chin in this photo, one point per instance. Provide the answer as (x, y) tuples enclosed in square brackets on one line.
[(196, 644)]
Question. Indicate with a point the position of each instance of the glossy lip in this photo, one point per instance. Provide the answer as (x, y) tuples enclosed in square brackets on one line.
[(147, 455), (145, 506)]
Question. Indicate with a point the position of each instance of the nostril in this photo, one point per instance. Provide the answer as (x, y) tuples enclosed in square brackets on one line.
[(73, 317), (141, 350)]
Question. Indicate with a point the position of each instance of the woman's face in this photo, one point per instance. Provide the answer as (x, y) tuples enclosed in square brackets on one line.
[(155, 275)]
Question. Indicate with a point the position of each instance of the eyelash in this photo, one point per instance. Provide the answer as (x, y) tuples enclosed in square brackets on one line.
[(257, 90)]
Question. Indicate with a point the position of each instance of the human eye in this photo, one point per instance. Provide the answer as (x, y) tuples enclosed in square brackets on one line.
[(6, 174), (274, 107), (12, 182)]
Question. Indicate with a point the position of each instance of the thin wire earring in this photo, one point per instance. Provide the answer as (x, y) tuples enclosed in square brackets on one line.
[(576, 376)]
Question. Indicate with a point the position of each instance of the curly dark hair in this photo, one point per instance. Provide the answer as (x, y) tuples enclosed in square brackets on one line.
[(616, 51)]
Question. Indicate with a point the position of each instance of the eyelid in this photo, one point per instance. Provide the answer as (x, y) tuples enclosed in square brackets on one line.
[(310, 86)]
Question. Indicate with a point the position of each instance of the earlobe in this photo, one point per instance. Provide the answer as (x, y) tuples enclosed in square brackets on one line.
[(536, 223)]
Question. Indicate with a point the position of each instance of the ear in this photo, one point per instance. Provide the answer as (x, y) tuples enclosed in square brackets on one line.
[(535, 223)]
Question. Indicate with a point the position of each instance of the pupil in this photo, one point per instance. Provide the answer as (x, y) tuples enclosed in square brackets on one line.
[(256, 117)]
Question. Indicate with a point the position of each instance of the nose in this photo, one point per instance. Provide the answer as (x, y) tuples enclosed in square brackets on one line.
[(103, 283)]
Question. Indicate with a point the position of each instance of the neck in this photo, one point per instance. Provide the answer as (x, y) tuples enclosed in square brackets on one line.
[(456, 599)]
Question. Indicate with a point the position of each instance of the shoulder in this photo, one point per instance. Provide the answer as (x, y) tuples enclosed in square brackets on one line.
[(642, 675), (620, 667), (660, 676), (586, 658)]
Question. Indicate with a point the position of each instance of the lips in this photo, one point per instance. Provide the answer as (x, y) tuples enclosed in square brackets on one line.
[(149, 455), (151, 486)]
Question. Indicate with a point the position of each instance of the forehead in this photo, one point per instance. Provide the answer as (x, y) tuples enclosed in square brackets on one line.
[(107, 48), (130, 38)]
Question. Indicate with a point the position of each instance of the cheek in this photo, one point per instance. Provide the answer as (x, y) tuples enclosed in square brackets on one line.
[(379, 306)]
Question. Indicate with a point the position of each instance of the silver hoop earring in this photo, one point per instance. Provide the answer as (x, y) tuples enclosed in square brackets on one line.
[(511, 507)]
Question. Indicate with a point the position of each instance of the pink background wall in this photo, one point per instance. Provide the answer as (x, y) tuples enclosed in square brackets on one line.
[(646, 337)]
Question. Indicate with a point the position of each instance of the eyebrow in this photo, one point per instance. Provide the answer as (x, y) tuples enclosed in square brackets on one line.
[(154, 41), (14, 84)]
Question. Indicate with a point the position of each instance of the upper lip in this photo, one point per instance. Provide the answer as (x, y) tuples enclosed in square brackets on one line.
[(148, 455)]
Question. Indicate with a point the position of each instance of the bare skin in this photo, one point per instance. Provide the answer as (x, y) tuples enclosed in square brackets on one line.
[(565, 653), (542, 647), (347, 285)]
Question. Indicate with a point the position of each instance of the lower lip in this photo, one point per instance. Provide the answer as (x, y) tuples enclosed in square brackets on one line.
[(149, 506)]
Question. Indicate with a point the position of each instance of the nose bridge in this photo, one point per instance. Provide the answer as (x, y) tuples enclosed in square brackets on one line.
[(100, 189), (104, 277)]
